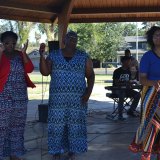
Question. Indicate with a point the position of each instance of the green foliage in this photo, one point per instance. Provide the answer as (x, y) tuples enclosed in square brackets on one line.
[(48, 29), (141, 32), (146, 26), (37, 37), (85, 35), (108, 39), (23, 29), (101, 40), (6, 25), (129, 29)]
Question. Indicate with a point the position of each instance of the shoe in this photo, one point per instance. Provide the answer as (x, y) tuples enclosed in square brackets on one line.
[(121, 118), (145, 156), (16, 158), (131, 113), (134, 148), (71, 156), (57, 157)]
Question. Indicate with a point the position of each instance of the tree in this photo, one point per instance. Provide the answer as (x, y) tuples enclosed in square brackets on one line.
[(100, 40), (37, 37), (6, 25), (21, 28), (108, 39), (50, 30), (147, 25), (129, 29), (85, 35)]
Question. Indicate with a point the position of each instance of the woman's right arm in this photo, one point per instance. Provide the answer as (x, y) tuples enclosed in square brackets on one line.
[(45, 66)]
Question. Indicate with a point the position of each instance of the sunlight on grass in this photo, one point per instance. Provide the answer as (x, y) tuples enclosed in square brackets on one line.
[(42, 85), (36, 77)]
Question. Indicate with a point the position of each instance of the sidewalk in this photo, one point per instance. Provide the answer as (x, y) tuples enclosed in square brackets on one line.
[(107, 139)]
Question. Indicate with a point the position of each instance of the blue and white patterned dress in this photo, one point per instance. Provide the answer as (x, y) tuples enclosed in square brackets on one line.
[(13, 111), (67, 115)]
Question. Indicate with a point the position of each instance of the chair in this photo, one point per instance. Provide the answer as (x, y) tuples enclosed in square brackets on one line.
[(115, 98)]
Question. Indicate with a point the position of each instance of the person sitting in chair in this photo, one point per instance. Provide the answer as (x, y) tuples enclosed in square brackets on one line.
[(122, 77)]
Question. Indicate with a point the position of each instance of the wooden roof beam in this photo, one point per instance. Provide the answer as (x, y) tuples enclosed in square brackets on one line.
[(116, 19), (84, 11), (26, 18), (63, 20), (29, 8)]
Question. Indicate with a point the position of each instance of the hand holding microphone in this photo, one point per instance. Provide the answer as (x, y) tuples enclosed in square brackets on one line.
[(42, 49)]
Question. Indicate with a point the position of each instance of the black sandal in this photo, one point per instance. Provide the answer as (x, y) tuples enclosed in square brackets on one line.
[(16, 158), (71, 156), (57, 157)]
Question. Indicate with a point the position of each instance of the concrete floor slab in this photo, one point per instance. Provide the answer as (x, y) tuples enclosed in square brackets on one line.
[(107, 139)]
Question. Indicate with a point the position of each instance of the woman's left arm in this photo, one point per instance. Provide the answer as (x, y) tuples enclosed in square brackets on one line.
[(90, 76)]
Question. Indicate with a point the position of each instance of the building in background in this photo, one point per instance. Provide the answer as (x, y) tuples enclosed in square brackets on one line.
[(34, 56), (137, 51), (131, 43)]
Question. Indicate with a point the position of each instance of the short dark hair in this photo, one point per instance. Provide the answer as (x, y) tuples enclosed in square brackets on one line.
[(6, 34), (71, 34), (149, 35), (126, 52), (125, 58)]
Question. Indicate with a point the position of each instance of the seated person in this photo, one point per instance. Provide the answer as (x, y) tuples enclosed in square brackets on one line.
[(133, 65), (133, 62), (122, 77), (134, 74)]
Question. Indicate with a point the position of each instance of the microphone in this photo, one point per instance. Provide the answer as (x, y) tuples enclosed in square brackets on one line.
[(42, 48)]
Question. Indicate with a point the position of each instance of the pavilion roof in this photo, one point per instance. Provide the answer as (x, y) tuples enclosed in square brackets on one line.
[(82, 11)]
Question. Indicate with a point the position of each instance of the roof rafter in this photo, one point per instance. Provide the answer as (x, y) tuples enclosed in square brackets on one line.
[(29, 8), (116, 19), (83, 11)]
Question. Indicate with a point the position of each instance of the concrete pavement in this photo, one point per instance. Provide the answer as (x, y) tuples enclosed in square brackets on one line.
[(107, 139)]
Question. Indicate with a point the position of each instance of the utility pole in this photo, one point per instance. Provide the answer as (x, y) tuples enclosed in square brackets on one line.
[(137, 41)]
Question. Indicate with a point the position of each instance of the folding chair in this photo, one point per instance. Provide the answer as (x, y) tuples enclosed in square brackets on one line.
[(115, 98)]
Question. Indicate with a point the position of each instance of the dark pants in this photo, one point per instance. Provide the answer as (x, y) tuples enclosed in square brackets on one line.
[(122, 94)]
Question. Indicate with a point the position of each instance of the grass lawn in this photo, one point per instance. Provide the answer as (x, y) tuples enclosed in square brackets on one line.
[(42, 89), (36, 77)]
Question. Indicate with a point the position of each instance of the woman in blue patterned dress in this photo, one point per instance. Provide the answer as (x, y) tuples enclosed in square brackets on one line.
[(68, 97), (14, 66)]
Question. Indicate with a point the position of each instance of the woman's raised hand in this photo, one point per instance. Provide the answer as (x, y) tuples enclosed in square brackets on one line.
[(42, 49), (25, 47)]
